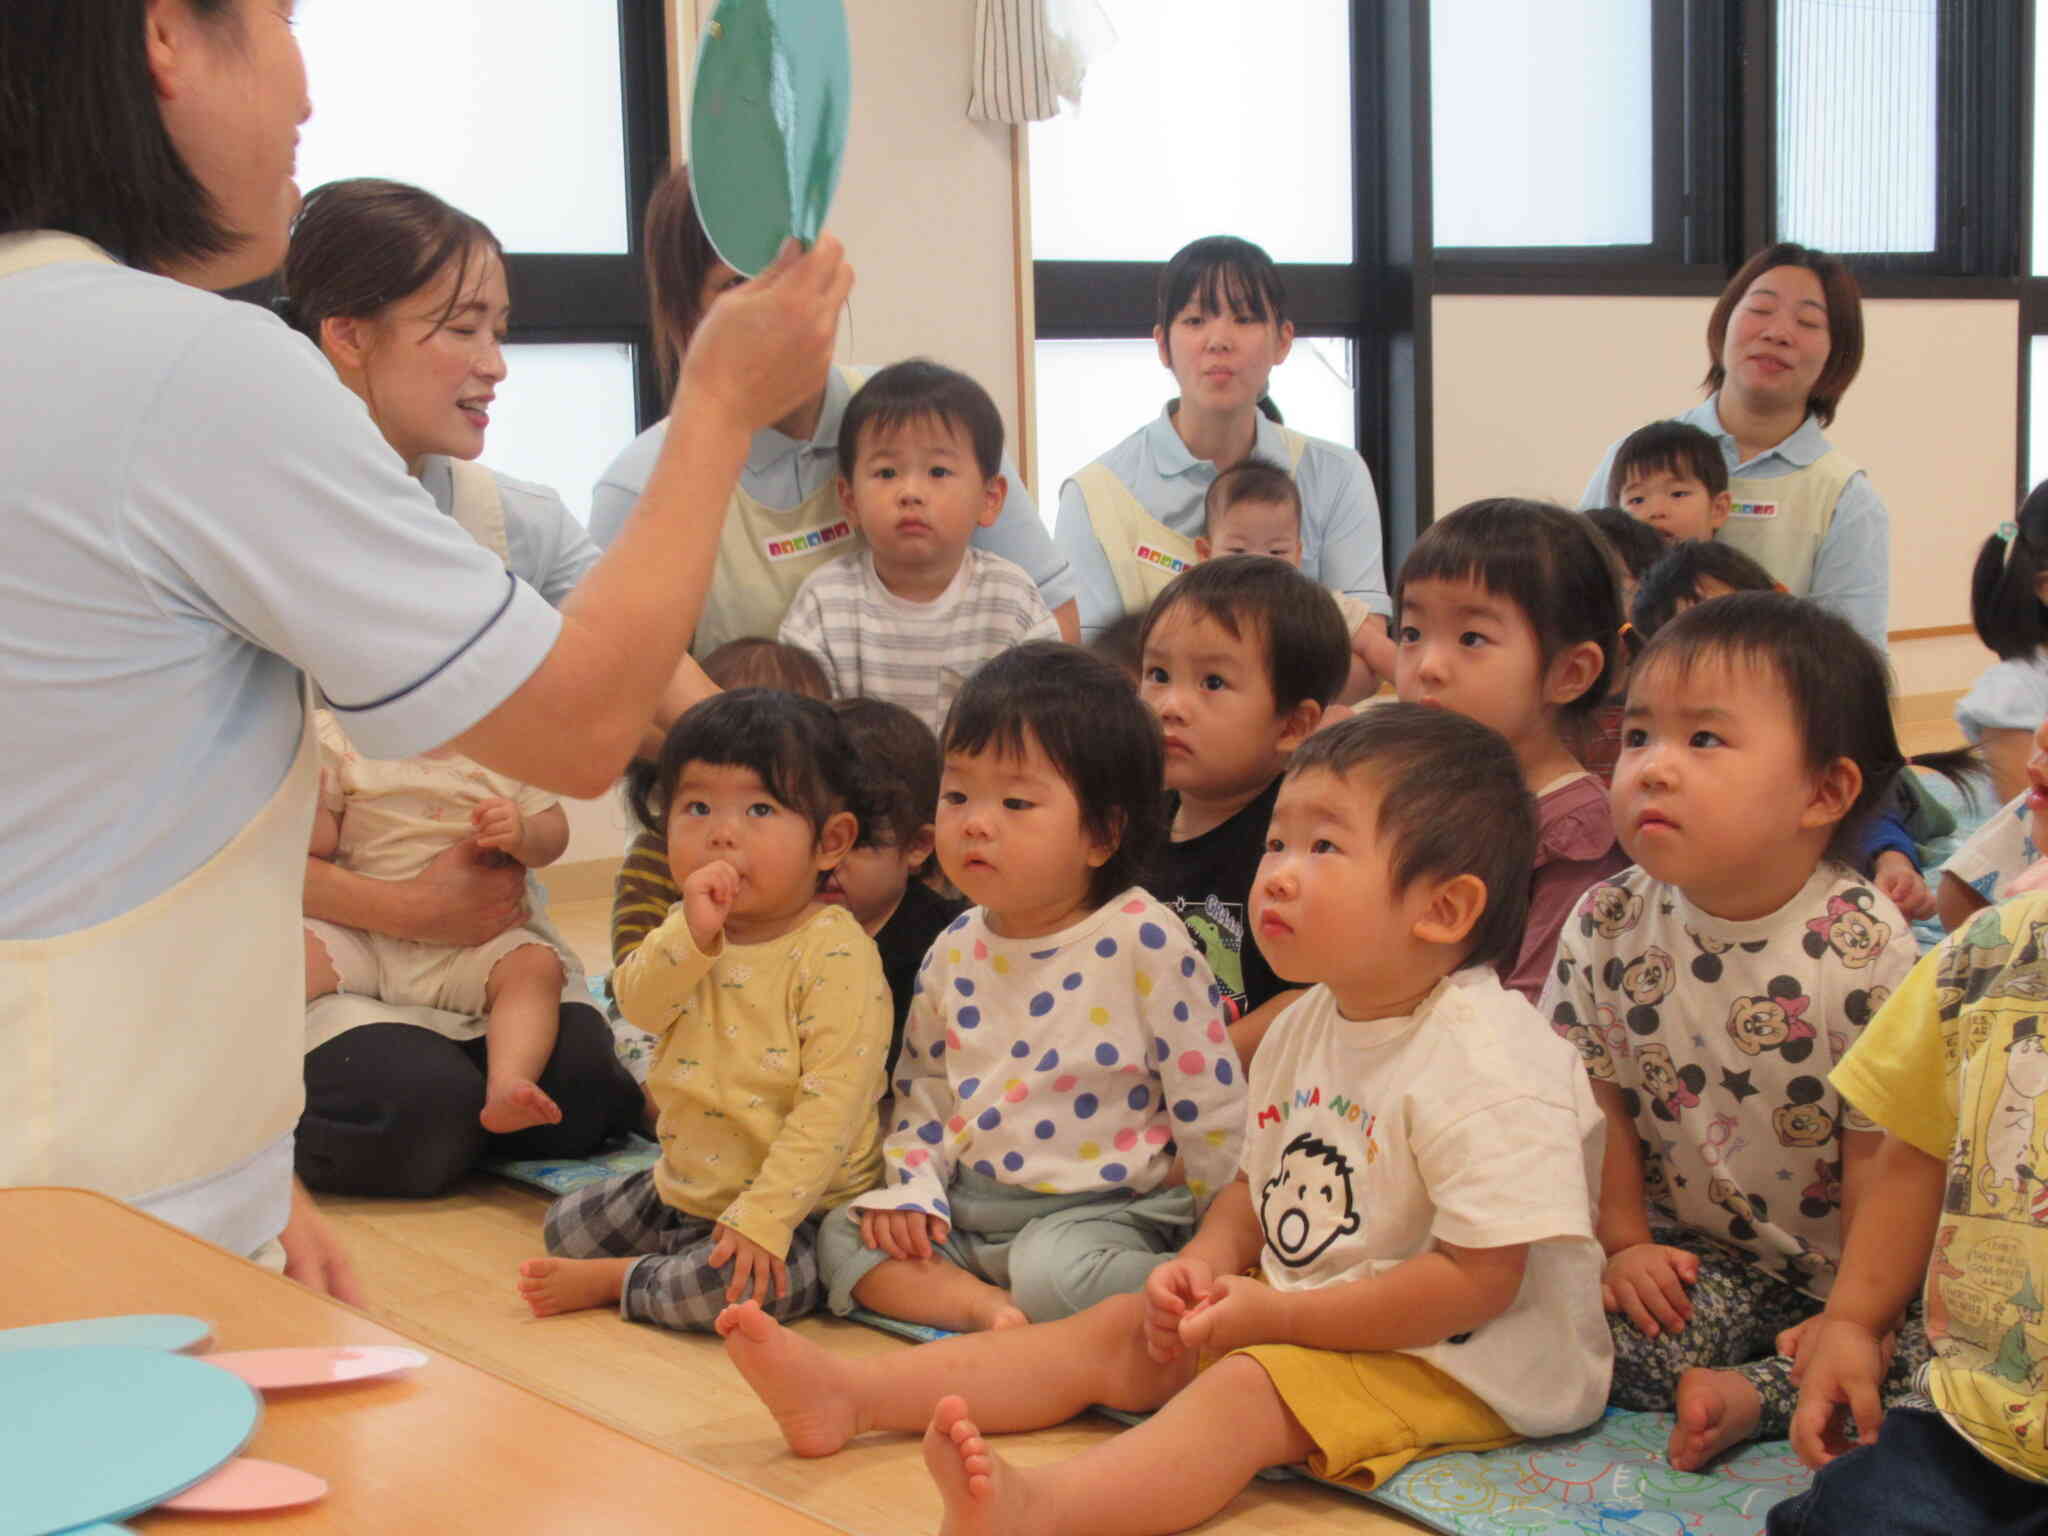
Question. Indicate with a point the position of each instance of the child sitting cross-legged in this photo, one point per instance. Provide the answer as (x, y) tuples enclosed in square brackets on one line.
[(1710, 990), (771, 1023), (911, 616), (1066, 1098), (1415, 1196)]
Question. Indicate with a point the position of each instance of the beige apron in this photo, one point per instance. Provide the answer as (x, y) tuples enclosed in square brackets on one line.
[(765, 553), (479, 510), (1143, 553), (1780, 522), (200, 985)]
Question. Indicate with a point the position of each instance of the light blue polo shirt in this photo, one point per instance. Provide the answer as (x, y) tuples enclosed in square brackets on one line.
[(1340, 513), (545, 546), (197, 511), (782, 472), (1852, 570)]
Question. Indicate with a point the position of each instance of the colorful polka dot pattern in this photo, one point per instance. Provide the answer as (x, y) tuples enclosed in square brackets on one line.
[(1085, 1063)]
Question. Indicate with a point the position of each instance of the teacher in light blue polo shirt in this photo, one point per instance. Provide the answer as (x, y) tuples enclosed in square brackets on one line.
[(200, 517), (1128, 522), (1784, 343)]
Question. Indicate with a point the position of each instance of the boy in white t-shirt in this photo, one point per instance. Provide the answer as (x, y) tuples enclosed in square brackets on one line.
[(1254, 508), (910, 617), (1405, 1265)]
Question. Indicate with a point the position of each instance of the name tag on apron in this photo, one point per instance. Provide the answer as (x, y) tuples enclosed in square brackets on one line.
[(1754, 509), (1149, 555), (793, 546)]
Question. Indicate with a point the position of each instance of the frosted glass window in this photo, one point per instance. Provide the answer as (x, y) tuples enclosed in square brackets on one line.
[(1205, 117), (510, 109), (562, 415), (1540, 128), (2040, 154), (1857, 165), (1093, 394)]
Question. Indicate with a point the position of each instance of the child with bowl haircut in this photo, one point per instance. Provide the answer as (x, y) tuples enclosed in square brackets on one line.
[(1671, 475), (1240, 657), (1254, 508), (881, 880), (911, 615), (1416, 1194)]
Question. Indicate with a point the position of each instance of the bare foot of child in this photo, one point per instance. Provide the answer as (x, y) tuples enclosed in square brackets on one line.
[(569, 1285), (1716, 1409), (802, 1384), (517, 1105), (984, 1495)]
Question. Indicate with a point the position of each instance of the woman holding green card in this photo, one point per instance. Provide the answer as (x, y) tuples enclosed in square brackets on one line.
[(201, 520)]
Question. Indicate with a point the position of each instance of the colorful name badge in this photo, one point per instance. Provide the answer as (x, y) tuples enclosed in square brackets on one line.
[(1171, 564), (796, 545), (1754, 509)]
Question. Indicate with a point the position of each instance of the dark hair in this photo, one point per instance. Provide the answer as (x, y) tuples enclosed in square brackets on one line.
[(1845, 321), (362, 244), (676, 256), (754, 661), (1088, 722), (1550, 563), (1673, 583), (795, 744), (1836, 684), (83, 147), (1120, 642), (1258, 480), (1674, 447), (897, 758), (1452, 802), (919, 390), (1635, 543), (1219, 272), (1308, 653), (2004, 602)]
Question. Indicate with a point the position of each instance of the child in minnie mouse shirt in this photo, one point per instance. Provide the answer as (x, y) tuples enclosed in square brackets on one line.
[(1711, 989)]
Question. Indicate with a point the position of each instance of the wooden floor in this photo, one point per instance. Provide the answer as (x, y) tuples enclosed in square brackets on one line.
[(443, 1271)]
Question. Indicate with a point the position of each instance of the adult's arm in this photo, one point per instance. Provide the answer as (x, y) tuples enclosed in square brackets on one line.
[(1852, 572), (464, 897), (1345, 517), (1095, 594), (1018, 535), (572, 725)]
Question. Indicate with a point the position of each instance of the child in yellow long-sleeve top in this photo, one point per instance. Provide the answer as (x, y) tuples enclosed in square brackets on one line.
[(772, 1025)]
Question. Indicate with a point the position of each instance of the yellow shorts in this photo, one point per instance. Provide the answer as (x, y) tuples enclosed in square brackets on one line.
[(1371, 1414)]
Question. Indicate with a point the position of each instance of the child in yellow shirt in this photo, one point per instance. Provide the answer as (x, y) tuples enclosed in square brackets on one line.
[(771, 1019)]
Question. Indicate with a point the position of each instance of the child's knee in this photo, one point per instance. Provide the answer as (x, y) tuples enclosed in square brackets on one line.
[(1054, 1276), (531, 967)]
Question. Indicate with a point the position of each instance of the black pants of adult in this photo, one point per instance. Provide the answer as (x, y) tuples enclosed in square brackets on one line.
[(391, 1109)]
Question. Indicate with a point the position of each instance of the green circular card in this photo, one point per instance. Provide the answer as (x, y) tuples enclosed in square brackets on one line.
[(768, 124)]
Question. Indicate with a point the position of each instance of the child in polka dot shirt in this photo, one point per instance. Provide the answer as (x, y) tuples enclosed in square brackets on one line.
[(1067, 1100)]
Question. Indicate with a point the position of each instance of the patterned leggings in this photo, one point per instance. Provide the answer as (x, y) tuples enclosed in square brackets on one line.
[(672, 1283), (1737, 1312)]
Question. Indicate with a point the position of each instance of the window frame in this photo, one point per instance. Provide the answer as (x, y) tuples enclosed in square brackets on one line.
[(559, 298)]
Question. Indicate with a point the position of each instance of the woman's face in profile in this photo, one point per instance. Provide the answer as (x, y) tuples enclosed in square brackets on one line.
[(1778, 340), (237, 97)]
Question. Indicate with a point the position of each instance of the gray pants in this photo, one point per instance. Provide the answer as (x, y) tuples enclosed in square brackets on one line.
[(1054, 1254), (672, 1282), (1737, 1312)]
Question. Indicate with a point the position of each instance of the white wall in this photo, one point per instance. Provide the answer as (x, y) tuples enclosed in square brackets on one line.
[(1530, 392)]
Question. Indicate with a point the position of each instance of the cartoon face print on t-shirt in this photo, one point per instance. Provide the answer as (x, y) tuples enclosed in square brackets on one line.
[(1775, 1021), (1851, 928), (1308, 1203), (1645, 981)]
